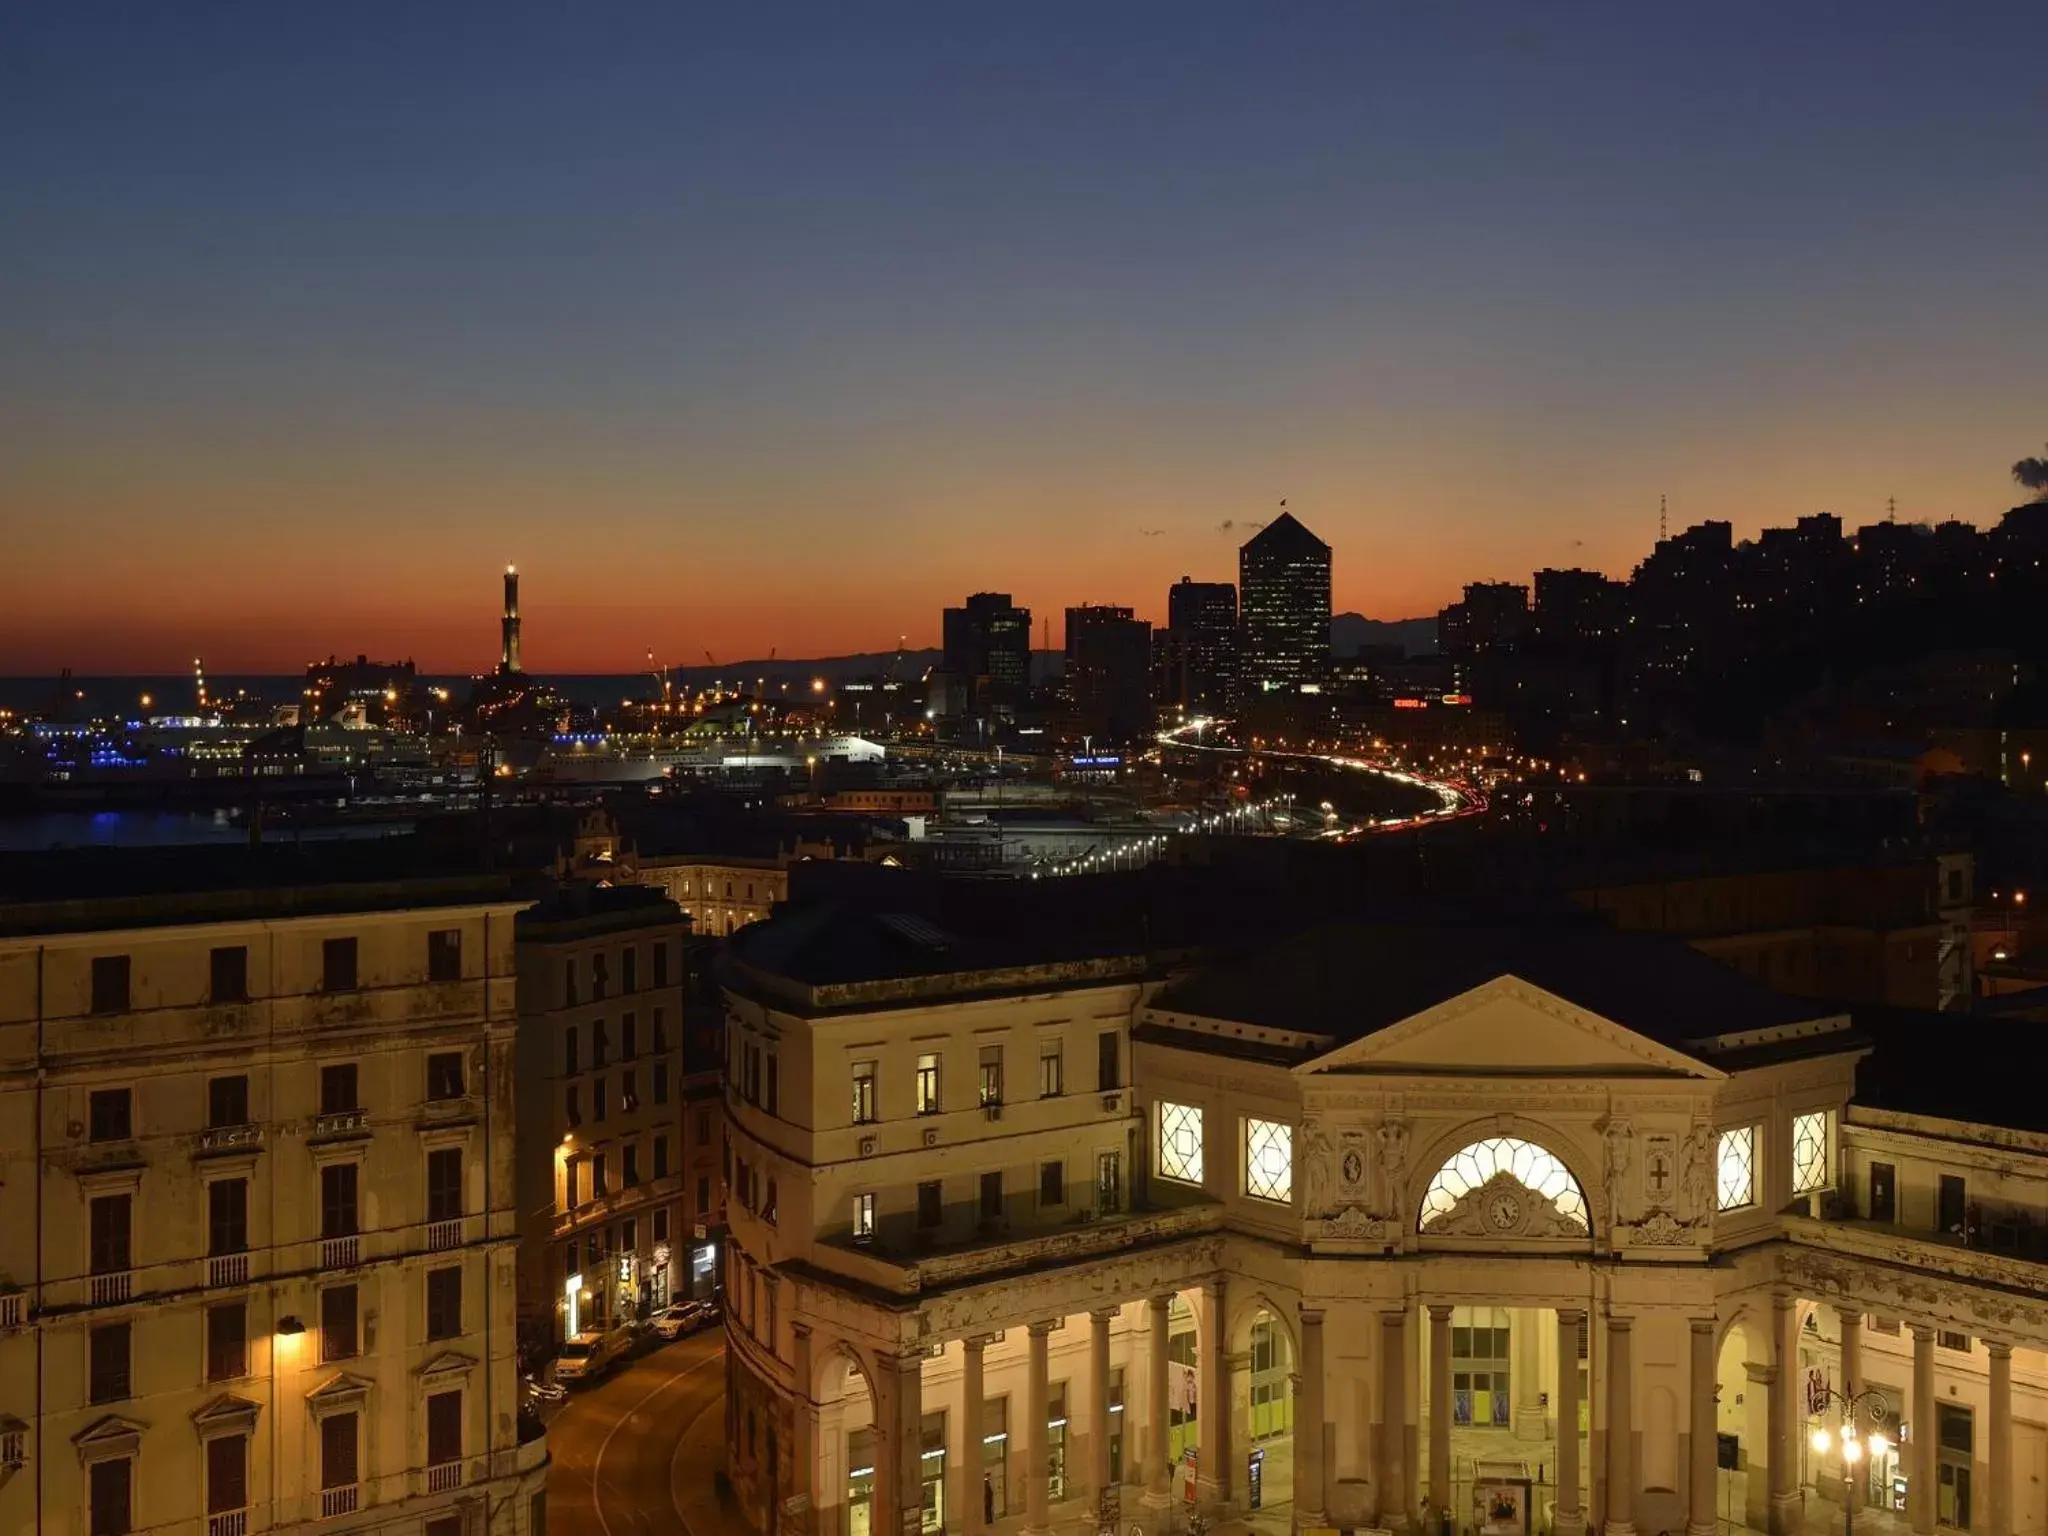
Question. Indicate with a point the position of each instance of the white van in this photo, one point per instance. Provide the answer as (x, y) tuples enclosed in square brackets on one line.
[(582, 1357)]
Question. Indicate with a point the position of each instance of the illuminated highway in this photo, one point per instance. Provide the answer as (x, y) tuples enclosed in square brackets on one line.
[(1453, 799)]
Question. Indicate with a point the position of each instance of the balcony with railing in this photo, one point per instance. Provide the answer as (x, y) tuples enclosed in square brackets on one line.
[(231, 1138), (227, 1269), (233, 1522), (112, 1288), (1927, 1252), (13, 1308), (344, 1500), (444, 1234), (344, 1252), (444, 1477), (341, 1122), (906, 1259)]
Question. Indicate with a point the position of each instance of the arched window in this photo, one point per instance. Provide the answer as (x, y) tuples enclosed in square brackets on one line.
[(1495, 1162)]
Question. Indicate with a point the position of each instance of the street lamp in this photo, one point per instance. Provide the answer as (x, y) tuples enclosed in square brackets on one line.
[(1852, 1445)]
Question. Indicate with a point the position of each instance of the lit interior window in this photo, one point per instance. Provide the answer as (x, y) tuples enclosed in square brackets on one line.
[(1269, 1160), (1736, 1178), (1532, 1166), (1809, 1152), (1180, 1142)]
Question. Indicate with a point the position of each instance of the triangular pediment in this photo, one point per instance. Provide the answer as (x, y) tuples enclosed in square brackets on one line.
[(109, 1435), (341, 1387), (226, 1410), (448, 1362), (1509, 1027)]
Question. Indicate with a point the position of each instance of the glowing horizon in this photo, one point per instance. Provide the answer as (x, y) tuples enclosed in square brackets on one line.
[(734, 334)]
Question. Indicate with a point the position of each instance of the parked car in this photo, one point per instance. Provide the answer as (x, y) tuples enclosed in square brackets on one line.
[(582, 1357), (684, 1317)]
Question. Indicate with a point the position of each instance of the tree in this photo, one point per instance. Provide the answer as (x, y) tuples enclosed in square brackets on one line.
[(2033, 474)]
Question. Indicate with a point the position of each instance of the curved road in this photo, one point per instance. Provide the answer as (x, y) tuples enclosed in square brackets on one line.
[(616, 1446), (1453, 799)]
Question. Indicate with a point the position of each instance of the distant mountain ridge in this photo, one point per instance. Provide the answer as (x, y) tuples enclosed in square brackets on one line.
[(1348, 633), (1351, 631)]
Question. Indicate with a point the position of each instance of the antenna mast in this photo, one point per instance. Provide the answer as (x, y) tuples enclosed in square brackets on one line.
[(1663, 528)]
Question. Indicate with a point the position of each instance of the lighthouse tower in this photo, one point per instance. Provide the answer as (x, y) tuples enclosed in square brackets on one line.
[(508, 659)]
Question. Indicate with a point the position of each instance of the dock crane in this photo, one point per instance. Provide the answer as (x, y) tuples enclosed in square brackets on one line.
[(660, 675)]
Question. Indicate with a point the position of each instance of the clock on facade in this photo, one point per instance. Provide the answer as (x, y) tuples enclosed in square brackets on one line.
[(1504, 1211)]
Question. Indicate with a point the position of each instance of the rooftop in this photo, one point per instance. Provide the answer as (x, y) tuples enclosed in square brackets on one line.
[(575, 906), (1952, 1066), (82, 889), (1350, 979)]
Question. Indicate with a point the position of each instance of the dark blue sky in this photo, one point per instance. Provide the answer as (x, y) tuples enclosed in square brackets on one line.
[(740, 326)]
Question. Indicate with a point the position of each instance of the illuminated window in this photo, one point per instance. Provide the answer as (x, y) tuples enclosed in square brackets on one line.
[(1735, 1181), (1809, 1152), (1269, 1160), (928, 1083), (1530, 1165), (1180, 1142)]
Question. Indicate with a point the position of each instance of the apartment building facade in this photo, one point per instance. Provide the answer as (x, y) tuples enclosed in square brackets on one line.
[(602, 1184), (256, 1185)]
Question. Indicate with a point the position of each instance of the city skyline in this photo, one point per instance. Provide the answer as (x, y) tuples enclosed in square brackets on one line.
[(818, 328)]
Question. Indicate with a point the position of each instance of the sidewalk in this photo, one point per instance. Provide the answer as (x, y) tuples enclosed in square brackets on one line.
[(694, 1477)]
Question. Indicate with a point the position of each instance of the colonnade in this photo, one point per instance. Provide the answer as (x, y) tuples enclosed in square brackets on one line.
[(897, 1392)]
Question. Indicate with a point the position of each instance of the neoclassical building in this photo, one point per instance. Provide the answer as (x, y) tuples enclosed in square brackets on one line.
[(1542, 1228)]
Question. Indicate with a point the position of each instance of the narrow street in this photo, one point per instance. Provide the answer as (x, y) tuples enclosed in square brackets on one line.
[(634, 1452)]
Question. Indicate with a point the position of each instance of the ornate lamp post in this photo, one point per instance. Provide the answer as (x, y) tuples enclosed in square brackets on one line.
[(1852, 1445)]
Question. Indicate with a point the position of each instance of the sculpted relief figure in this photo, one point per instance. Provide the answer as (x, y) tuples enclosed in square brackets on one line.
[(1621, 1140), (1317, 1155), (1696, 1172), (1393, 1165)]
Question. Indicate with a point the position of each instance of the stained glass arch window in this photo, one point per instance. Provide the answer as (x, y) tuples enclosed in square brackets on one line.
[(1534, 1167)]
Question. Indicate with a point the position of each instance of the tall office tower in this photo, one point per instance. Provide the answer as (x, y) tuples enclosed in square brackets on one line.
[(990, 637), (1198, 648), (1283, 609), (1109, 658), (508, 657)]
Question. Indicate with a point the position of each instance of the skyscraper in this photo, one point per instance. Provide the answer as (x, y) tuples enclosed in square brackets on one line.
[(1197, 652), (990, 637), (1284, 609), (1108, 658)]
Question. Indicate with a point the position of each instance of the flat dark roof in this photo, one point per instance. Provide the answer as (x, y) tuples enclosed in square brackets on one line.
[(1349, 979), (82, 889)]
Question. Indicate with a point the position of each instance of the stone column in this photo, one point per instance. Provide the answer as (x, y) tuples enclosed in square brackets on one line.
[(1571, 1510), (1395, 1496), (899, 1483), (1701, 1435), (1621, 1428), (799, 1510), (1784, 1416), (1529, 1412), (1856, 1476), (973, 1425), (1212, 1401), (1037, 1468), (1439, 1409), (1999, 1505), (1761, 1387), (1098, 1402), (1158, 1432), (1920, 1477), (1310, 1481)]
